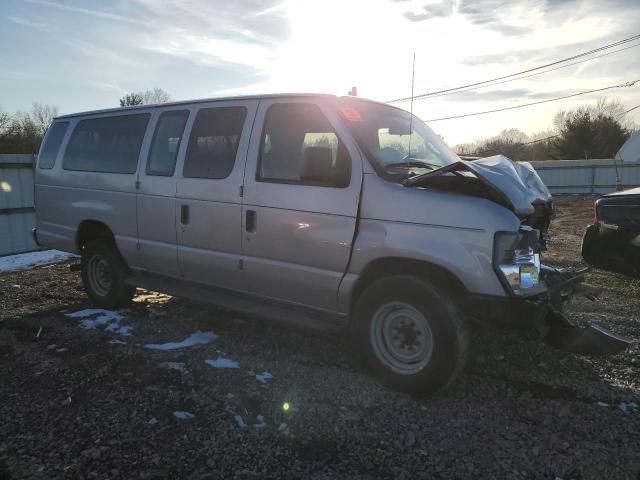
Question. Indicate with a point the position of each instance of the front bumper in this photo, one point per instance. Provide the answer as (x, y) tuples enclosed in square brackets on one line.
[(544, 312)]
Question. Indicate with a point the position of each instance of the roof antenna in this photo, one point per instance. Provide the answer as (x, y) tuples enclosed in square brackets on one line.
[(413, 77)]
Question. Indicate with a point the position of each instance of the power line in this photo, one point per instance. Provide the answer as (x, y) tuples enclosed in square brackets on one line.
[(532, 74), (630, 110), (627, 84), (605, 47)]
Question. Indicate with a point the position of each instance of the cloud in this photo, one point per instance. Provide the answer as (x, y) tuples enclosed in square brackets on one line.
[(522, 94), (86, 11), (479, 12), (26, 23), (443, 8), (415, 17), (220, 35)]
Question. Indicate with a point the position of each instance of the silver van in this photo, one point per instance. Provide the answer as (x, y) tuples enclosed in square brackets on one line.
[(320, 211)]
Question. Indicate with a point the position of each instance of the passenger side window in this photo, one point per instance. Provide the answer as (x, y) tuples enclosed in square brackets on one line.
[(166, 143), (107, 144), (213, 143), (299, 145), (51, 146)]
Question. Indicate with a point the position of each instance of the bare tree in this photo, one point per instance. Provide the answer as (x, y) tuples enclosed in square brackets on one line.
[(148, 97), (23, 131), (5, 121), (42, 116), (157, 95)]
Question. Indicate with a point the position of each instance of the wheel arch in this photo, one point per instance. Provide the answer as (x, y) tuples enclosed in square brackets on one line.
[(89, 230), (389, 266)]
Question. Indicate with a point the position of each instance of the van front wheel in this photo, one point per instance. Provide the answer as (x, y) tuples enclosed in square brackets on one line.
[(410, 334), (103, 275)]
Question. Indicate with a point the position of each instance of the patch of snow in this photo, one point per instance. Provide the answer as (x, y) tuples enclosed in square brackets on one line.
[(180, 366), (109, 319), (117, 342), (125, 330), (240, 421), (152, 421), (264, 377), (261, 423), (196, 338), (222, 362), (26, 261), (180, 415), (90, 312)]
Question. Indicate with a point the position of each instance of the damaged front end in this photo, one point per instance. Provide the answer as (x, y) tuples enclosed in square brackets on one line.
[(536, 291), (558, 331)]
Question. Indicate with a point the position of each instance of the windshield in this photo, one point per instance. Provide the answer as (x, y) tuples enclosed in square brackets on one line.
[(396, 144)]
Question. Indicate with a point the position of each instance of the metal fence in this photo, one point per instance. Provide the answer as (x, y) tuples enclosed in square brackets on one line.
[(17, 212), (587, 176)]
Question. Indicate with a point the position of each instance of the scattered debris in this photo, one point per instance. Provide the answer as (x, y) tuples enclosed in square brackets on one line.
[(180, 366), (197, 338)]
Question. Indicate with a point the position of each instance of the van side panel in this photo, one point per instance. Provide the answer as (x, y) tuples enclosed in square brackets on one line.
[(451, 233), (65, 198), (208, 208), (61, 209)]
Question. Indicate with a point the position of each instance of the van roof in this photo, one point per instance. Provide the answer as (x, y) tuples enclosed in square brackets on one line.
[(214, 99)]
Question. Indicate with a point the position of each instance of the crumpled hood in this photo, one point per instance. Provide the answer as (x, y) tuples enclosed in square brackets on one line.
[(516, 183)]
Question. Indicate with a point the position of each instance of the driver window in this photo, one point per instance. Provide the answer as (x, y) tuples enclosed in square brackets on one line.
[(299, 145)]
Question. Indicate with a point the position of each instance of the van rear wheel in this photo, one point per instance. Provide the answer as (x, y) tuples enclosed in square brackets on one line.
[(410, 334), (103, 275)]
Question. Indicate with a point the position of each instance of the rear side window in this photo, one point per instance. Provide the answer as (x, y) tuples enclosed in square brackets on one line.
[(213, 143), (51, 146), (166, 143), (299, 145), (108, 144)]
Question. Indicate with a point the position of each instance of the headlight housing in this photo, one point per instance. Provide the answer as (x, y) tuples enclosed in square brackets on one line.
[(516, 259)]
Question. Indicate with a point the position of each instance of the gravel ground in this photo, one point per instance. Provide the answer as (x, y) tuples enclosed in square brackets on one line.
[(87, 403)]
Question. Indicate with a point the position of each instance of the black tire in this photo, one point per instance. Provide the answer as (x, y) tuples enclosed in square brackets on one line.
[(398, 298), (590, 249), (103, 275)]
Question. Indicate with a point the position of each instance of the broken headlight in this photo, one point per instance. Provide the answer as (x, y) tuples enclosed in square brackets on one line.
[(516, 259)]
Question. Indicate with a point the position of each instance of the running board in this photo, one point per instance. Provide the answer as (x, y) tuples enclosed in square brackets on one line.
[(285, 313)]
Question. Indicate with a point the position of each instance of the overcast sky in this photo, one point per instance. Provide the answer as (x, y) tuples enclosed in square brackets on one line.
[(83, 55)]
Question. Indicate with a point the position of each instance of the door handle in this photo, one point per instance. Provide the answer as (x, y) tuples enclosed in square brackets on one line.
[(250, 221), (184, 214)]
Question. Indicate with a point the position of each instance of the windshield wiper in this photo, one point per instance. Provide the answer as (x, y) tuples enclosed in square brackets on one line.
[(412, 163)]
